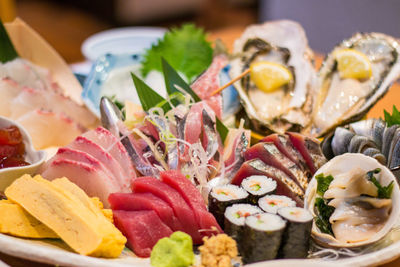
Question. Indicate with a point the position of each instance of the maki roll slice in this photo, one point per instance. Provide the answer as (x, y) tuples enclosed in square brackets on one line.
[(223, 196), (271, 203), (235, 216), (258, 186), (296, 238), (264, 233)]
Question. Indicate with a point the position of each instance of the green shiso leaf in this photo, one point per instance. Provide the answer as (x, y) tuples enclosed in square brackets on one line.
[(7, 50), (147, 96), (222, 129), (392, 119), (383, 191), (323, 183), (324, 212), (185, 48)]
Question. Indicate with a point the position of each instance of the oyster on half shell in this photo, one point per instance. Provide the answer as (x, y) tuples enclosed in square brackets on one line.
[(360, 217), (283, 42)]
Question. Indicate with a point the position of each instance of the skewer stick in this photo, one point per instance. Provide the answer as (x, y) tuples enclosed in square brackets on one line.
[(231, 82)]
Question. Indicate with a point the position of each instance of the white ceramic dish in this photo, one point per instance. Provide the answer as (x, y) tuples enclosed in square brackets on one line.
[(36, 158), (129, 40)]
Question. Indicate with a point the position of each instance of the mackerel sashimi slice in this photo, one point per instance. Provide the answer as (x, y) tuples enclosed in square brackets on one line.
[(145, 201), (94, 181), (310, 149), (285, 185), (193, 198), (181, 209), (142, 229), (270, 155)]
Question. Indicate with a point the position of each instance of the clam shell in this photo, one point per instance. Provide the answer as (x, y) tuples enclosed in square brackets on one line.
[(344, 163)]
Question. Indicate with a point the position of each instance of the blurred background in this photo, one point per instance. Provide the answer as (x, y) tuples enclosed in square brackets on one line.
[(65, 24)]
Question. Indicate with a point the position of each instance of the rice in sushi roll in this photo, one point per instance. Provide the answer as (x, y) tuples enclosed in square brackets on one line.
[(271, 203), (296, 238), (263, 236), (221, 197), (258, 186)]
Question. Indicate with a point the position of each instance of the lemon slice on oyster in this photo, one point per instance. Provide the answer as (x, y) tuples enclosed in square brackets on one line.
[(353, 64), (269, 76)]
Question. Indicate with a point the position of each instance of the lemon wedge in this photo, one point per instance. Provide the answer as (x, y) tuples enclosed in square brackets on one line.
[(353, 64), (269, 76)]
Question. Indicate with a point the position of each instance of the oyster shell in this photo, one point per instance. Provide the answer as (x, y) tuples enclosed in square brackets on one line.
[(359, 218), (282, 42), (340, 101)]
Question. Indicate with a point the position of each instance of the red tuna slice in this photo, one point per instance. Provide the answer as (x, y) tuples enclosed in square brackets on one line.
[(142, 229), (270, 155), (282, 142), (193, 198), (310, 149), (285, 185), (145, 201), (92, 180), (85, 145), (113, 145), (181, 210)]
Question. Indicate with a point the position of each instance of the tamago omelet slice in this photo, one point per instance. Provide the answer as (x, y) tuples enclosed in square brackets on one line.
[(75, 221)]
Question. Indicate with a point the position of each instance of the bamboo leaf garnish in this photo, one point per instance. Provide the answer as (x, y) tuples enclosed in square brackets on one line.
[(7, 50)]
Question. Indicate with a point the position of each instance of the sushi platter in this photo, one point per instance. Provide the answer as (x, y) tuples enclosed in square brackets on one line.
[(183, 153)]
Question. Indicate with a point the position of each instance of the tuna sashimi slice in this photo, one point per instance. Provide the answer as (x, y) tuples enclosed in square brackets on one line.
[(145, 201), (181, 210), (193, 198), (92, 180), (113, 145), (270, 155), (310, 149), (142, 229), (285, 185), (85, 145)]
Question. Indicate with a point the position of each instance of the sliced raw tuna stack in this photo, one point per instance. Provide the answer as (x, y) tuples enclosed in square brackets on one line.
[(176, 202), (96, 162), (289, 159)]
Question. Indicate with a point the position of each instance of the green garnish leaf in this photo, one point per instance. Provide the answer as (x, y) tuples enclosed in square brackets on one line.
[(323, 183), (383, 191), (392, 119), (185, 48), (147, 96), (324, 212), (221, 129), (7, 50)]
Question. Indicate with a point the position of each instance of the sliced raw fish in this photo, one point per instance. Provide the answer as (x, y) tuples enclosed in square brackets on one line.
[(47, 128), (181, 209), (310, 149), (236, 143), (142, 229), (145, 201), (193, 198), (113, 145), (270, 155), (94, 181), (8, 90), (285, 185), (282, 142), (83, 144)]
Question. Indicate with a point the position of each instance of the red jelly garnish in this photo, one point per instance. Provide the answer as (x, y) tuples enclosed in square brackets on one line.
[(12, 149), (10, 136)]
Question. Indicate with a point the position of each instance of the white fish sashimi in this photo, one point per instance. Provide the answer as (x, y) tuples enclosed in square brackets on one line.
[(91, 179), (8, 91), (47, 128)]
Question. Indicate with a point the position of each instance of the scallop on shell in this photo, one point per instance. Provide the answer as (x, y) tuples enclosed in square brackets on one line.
[(366, 214), (282, 42)]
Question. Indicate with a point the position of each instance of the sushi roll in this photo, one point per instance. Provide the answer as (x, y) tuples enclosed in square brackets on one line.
[(258, 186), (263, 236), (223, 196), (235, 216), (271, 203), (296, 238)]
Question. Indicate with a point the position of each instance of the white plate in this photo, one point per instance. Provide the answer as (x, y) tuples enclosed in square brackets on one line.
[(121, 41), (57, 253)]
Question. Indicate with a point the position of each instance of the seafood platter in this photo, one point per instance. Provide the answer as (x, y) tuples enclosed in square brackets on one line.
[(186, 154)]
